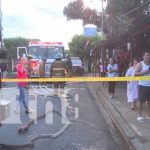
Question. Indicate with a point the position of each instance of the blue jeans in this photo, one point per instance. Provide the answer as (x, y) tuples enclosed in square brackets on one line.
[(22, 96)]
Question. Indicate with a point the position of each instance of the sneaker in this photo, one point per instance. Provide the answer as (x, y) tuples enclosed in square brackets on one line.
[(28, 111), (140, 119)]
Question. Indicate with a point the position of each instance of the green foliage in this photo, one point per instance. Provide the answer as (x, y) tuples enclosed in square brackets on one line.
[(116, 7), (11, 45), (124, 15), (76, 10), (78, 48), (115, 23)]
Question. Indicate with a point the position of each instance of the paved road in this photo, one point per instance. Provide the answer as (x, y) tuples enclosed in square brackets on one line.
[(88, 130)]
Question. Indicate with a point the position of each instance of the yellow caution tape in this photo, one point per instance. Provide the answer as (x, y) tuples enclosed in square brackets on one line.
[(78, 79)]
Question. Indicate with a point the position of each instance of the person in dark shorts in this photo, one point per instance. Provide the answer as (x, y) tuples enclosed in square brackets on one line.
[(143, 69), (112, 72)]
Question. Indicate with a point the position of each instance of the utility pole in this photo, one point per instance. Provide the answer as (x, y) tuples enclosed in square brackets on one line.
[(1, 42), (102, 21), (102, 28)]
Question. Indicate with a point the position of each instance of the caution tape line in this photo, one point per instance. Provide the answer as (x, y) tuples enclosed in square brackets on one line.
[(79, 79)]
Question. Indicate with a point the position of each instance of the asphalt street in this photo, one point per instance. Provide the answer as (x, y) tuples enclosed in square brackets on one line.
[(88, 129)]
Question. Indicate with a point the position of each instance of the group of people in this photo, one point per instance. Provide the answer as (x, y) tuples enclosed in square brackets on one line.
[(138, 92), (59, 69)]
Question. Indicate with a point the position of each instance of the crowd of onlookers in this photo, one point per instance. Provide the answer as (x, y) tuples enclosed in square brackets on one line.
[(24, 68), (138, 92)]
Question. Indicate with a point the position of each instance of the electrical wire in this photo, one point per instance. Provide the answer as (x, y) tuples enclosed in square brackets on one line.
[(19, 25), (135, 8)]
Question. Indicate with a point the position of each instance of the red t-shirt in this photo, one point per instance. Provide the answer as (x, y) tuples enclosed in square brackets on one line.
[(21, 74)]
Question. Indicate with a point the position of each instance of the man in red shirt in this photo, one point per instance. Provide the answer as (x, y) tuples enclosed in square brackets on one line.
[(22, 74)]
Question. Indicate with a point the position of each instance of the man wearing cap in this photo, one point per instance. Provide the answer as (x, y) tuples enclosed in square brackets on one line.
[(58, 70)]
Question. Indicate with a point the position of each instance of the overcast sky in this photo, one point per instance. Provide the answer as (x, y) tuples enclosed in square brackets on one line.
[(41, 19)]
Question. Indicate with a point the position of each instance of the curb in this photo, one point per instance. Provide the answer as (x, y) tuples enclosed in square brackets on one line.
[(129, 136)]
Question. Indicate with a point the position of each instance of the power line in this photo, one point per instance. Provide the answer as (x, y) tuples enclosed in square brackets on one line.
[(135, 8), (19, 25), (1, 41), (125, 22)]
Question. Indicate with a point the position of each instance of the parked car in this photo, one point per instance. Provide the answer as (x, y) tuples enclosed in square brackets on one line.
[(77, 66)]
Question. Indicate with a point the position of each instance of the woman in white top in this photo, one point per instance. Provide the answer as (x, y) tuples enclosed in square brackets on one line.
[(132, 86), (112, 72)]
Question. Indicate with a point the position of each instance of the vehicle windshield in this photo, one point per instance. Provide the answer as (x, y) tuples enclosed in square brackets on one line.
[(48, 52), (53, 51), (76, 61)]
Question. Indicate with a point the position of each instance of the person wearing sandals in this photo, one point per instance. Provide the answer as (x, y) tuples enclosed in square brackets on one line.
[(132, 86), (112, 72), (143, 69)]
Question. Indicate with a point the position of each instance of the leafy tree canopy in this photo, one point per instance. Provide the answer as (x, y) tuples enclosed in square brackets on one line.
[(76, 10), (11, 45), (80, 45), (119, 15)]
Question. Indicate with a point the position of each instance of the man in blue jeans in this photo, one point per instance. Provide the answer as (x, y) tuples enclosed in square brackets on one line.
[(22, 74)]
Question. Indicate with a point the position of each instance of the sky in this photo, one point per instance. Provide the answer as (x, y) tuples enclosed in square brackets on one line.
[(42, 19)]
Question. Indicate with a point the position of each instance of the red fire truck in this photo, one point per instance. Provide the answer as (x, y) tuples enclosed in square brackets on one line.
[(39, 51)]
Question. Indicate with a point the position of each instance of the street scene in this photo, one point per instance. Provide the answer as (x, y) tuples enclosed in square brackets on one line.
[(87, 130), (75, 74)]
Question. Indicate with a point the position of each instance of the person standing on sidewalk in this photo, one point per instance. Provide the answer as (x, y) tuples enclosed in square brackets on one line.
[(22, 74), (143, 69), (132, 86), (112, 72), (103, 70)]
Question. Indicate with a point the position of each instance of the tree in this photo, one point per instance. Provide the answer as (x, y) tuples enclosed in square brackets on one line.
[(119, 15), (124, 14), (80, 46), (76, 10), (11, 45)]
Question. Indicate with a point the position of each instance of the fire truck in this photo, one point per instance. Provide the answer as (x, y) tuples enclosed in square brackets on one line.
[(41, 51)]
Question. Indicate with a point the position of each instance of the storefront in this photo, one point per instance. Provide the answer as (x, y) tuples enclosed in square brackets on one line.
[(126, 47)]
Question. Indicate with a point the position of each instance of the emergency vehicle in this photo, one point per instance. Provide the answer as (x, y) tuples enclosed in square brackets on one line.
[(39, 51)]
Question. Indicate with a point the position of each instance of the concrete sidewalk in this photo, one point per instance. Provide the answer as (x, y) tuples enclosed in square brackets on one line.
[(136, 134)]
